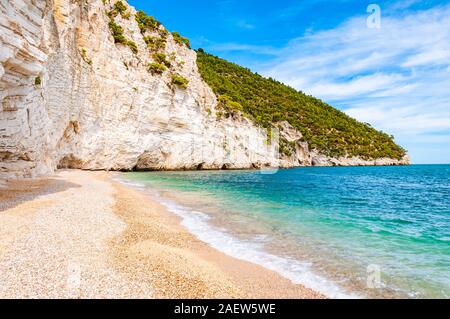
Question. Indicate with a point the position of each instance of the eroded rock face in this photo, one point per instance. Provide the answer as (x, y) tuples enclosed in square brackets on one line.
[(71, 97), (22, 111)]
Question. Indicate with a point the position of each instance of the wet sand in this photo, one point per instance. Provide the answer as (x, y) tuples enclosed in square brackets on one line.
[(83, 235)]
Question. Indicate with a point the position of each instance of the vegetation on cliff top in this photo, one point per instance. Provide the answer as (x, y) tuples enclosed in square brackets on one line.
[(146, 22), (119, 8), (180, 40), (267, 101)]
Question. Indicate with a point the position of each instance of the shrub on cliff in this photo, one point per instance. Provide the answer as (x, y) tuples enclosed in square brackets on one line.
[(146, 22), (156, 68), (119, 8), (179, 81), (155, 44), (133, 47), (267, 102), (180, 39), (161, 58), (117, 32), (84, 56), (119, 37), (227, 103), (163, 33)]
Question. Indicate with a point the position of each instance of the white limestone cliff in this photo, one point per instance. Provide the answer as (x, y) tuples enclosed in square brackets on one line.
[(71, 97)]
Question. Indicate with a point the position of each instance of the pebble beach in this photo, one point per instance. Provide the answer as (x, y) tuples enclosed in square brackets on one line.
[(83, 235)]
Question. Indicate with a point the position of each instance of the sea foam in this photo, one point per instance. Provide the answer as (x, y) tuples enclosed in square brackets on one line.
[(252, 251)]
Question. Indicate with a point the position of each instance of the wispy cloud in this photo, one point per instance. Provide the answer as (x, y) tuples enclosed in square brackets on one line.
[(243, 24), (256, 49), (353, 56), (402, 5), (299, 7)]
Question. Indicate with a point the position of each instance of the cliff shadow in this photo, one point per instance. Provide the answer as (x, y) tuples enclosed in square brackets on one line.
[(16, 192)]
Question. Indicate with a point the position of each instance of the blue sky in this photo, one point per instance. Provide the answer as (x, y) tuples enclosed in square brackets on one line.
[(396, 77)]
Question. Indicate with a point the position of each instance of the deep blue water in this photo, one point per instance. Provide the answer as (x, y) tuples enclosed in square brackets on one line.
[(343, 223)]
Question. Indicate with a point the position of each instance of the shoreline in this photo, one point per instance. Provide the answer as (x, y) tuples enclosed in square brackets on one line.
[(222, 235), (242, 279), (137, 248)]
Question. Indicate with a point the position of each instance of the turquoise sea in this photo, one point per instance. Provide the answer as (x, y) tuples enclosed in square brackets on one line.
[(380, 232)]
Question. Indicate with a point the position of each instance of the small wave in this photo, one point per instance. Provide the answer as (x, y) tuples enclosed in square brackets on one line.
[(252, 251), (388, 220), (130, 183)]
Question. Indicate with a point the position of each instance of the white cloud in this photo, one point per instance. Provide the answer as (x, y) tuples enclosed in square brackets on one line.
[(230, 47), (402, 5), (354, 87), (431, 56), (402, 120), (352, 50)]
